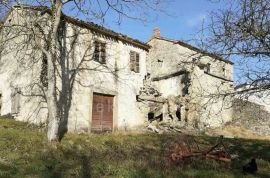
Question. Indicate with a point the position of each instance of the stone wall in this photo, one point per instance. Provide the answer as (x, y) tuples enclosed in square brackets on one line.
[(251, 116), (113, 78), (204, 96)]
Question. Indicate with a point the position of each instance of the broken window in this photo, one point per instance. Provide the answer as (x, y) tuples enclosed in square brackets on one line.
[(186, 83), (151, 116), (15, 101), (178, 113), (134, 61), (100, 52), (186, 114)]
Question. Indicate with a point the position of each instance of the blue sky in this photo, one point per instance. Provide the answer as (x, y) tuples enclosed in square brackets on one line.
[(184, 21)]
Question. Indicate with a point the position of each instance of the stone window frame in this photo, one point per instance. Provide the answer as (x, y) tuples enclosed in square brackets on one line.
[(100, 51)]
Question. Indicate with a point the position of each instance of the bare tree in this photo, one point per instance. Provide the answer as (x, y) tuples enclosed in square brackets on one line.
[(242, 32), (46, 36)]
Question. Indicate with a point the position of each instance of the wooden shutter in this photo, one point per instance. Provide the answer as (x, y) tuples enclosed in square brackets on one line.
[(100, 52), (137, 63), (134, 61), (103, 53), (96, 52)]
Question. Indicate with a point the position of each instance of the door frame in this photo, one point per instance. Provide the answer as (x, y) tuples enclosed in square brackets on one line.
[(115, 109)]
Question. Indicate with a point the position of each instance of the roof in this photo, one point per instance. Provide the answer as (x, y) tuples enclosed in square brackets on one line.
[(89, 25), (184, 44)]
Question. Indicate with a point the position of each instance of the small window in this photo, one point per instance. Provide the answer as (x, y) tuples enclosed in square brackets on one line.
[(208, 68), (194, 60), (224, 71), (134, 61), (100, 52), (15, 101)]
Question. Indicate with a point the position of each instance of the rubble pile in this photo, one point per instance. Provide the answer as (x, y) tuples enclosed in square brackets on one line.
[(162, 114)]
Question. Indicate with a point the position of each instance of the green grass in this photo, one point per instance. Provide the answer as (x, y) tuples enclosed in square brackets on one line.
[(24, 152)]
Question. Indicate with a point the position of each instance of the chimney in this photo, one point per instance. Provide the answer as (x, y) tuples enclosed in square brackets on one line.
[(156, 33)]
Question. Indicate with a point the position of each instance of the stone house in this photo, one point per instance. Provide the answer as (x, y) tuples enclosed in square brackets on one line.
[(199, 80), (116, 71)]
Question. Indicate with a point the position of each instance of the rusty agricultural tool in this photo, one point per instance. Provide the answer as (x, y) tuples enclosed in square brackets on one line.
[(185, 149)]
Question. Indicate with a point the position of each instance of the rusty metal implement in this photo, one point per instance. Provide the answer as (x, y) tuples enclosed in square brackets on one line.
[(185, 149)]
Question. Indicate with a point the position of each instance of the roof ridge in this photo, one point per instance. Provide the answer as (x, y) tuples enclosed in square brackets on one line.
[(194, 48), (92, 26)]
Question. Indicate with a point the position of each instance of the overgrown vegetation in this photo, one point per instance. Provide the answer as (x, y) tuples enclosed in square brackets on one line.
[(25, 152)]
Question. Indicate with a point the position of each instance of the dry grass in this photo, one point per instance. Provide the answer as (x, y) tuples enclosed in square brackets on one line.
[(237, 132), (24, 152)]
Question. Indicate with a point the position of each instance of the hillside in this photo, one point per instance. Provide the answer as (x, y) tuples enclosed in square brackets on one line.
[(24, 152)]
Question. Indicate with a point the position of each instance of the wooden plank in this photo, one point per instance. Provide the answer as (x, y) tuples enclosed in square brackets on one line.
[(102, 112)]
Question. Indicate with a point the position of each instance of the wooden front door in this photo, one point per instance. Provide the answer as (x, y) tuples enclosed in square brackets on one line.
[(102, 113)]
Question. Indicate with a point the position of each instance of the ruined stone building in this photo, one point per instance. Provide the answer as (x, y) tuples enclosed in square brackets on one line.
[(127, 83), (192, 81)]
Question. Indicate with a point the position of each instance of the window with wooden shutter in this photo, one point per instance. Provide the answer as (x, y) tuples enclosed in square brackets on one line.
[(100, 52), (134, 61), (15, 101)]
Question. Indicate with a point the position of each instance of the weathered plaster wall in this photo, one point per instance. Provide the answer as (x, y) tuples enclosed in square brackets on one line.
[(172, 86), (206, 104), (19, 70), (113, 78)]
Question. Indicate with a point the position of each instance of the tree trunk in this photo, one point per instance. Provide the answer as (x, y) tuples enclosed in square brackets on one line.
[(53, 111)]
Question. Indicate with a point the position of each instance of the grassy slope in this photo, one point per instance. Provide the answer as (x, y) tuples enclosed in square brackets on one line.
[(24, 152)]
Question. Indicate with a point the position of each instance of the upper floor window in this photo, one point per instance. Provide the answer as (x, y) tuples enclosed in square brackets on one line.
[(224, 71), (195, 59), (100, 52), (208, 68), (134, 61)]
